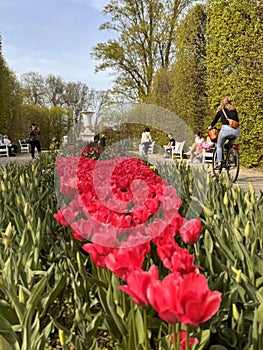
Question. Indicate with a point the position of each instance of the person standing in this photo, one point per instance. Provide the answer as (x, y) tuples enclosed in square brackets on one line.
[(225, 112), (103, 141), (33, 136), (146, 140)]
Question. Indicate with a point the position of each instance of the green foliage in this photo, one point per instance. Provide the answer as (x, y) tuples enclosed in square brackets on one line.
[(189, 71), (230, 251), (234, 63), (10, 100), (144, 43), (45, 288), (54, 122), (50, 292)]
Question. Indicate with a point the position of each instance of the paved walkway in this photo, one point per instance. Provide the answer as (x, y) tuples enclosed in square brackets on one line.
[(246, 176)]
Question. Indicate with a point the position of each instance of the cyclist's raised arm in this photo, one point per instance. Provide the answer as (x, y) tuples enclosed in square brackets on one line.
[(217, 117)]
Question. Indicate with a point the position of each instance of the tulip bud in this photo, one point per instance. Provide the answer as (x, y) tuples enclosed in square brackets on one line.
[(236, 223), (238, 274), (18, 200), (225, 200), (4, 172), (29, 226), (21, 295), (247, 201), (208, 212), (3, 188), (234, 194), (235, 312), (6, 240), (22, 180), (26, 209), (9, 230), (238, 235), (247, 229), (61, 337)]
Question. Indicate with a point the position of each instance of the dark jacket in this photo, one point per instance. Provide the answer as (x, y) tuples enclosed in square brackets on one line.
[(34, 134), (231, 114)]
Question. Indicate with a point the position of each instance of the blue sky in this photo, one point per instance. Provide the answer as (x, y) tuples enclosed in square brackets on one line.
[(54, 37)]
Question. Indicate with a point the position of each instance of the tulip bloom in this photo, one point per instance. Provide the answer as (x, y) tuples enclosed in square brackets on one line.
[(97, 253), (123, 261), (190, 231), (162, 295), (196, 303), (138, 282), (65, 216)]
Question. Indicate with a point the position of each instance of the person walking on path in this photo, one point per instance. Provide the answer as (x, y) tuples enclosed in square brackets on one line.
[(146, 140), (225, 112), (34, 139)]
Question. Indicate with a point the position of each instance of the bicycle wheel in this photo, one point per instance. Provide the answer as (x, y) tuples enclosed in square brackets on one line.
[(232, 165), (214, 163)]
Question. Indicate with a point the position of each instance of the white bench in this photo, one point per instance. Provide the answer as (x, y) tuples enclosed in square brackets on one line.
[(177, 150), (150, 149), (24, 147), (207, 156), (4, 151)]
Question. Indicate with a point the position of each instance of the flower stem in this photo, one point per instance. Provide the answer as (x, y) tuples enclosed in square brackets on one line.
[(178, 326), (145, 329), (174, 328), (187, 339), (133, 322)]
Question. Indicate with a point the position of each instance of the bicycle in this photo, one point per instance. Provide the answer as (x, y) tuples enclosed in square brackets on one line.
[(231, 161)]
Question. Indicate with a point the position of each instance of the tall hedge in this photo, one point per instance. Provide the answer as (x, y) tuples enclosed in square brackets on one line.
[(235, 66), (189, 71)]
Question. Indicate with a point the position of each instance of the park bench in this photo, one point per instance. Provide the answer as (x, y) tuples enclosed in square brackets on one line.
[(24, 146), (4, 151), (177, 150), (207, 156), (150, 149)]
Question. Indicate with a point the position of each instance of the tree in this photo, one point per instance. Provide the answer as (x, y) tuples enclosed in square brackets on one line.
[(145, 43), (10, 101), (34, 88), (235, 67)]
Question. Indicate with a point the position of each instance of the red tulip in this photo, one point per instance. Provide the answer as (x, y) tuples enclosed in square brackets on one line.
[(138, 282), (65, 216), (176, 259), (97, 253), (162, 295), (123, 261), (197, 303), (190, 231)]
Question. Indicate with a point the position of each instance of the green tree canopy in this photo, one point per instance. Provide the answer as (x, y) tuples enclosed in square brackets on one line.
[(145, 42)]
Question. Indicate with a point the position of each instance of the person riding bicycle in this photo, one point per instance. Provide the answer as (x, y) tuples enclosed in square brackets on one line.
[(225, 112)]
